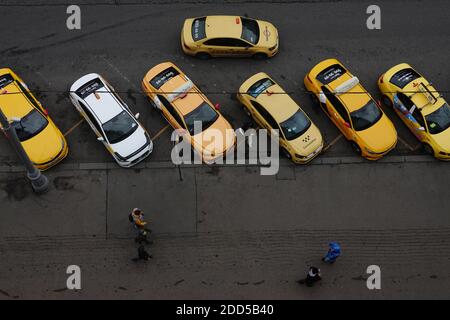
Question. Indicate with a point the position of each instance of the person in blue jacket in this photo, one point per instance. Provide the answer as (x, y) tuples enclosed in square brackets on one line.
[(333, 253)]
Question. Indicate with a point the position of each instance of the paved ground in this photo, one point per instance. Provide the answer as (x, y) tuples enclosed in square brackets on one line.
[(223, 232)]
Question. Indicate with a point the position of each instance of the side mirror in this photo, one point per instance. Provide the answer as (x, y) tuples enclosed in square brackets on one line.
[(137, 115), (217, 106), (101, 139), (322, 97)]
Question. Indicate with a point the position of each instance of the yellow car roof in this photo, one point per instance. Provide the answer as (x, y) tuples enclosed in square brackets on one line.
[(186, 104), (275, 100), (223, 26), (354, 98), (413, 90), (13, 101)]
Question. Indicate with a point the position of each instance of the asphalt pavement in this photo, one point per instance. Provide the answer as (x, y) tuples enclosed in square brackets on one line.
[(223, 231)]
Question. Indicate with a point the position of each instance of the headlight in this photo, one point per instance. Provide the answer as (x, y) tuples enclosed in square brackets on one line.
[(120, 157)]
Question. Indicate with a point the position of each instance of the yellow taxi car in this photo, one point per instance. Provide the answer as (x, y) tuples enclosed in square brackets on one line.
[(229, 36), (271, 108), (420, 106), (185, 107), (352, 109), (43, 142)]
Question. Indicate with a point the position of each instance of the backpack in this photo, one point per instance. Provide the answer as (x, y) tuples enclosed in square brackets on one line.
[(130, 217)]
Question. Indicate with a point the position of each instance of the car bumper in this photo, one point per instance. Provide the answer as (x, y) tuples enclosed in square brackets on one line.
[(377, 156), (309, 158), (137, 158), (60, 157)]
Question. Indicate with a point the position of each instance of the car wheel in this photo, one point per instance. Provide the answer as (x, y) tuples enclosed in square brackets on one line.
[(428, 149), (247, 112), (260, 56), (386, 101), (203, 56), (356, 147), (286, 153)]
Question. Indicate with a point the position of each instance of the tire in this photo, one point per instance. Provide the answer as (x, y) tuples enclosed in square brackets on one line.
[(247, 112), (260, 56), (428, 149), (386, 101), (286, 153), (356, 148), (203, 56)]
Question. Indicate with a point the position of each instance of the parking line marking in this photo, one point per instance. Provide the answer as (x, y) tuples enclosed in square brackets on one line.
[(74, 127), (333, 142), (160, 132), (419, 145), (405, 143)]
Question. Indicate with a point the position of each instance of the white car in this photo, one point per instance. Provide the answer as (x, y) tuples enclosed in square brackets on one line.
[(111, 119)]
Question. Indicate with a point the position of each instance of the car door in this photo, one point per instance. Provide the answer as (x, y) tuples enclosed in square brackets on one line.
[(411, 115), (259, 115), (93, 123), (171, 114), (338, 114), (221, 47)]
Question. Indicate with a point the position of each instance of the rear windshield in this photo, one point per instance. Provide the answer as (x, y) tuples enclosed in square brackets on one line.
[(163, 77), (259, 87), (331, 73), (5, 80), (198, 29), (403, 77), (90, 88), (250, 30)]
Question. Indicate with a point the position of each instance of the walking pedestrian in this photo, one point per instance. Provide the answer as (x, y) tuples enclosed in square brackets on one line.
[(142, 237), (142, 254), (312, 277), (334, 251), (137, 218)]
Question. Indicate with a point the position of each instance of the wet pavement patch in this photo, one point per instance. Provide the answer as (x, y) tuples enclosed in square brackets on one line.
[(64, 183), (16, 189)]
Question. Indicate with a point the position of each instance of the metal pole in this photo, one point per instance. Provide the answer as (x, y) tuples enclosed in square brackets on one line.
[(39, 182)]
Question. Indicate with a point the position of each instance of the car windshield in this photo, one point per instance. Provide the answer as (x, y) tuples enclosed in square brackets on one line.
[(295, 126), (204, 114), (30, 125), (439, 120), (120, 127), (366, 117), (250, 30)]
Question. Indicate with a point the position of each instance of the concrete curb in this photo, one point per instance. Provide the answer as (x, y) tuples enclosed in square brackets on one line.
[(283, 163)]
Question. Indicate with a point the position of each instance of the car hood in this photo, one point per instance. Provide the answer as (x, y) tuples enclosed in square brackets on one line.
[(308, 142), (379, 137), (205, 142), (45, 146), (131, 144), (268, 34), (443, 139)]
